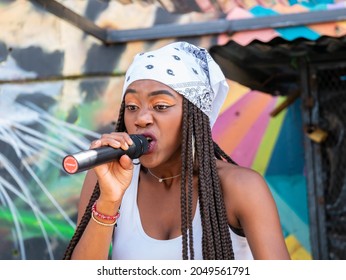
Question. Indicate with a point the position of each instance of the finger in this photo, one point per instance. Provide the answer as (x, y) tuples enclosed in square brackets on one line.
[(95, 144), (115, 143), (126, 162), (115, 140), (123, 138)]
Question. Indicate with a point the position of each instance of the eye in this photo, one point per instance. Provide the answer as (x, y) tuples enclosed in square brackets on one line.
[(131, 108), (161, 107)]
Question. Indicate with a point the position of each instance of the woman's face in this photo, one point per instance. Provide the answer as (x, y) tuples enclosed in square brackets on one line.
[(155, 110)]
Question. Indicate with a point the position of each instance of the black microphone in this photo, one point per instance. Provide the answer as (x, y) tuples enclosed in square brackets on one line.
[(85, 160)]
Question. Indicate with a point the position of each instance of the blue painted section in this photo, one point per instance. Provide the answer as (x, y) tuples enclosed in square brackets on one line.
[(285, 177), (285, 159), (288, 33), (311, 3), (290, 195)]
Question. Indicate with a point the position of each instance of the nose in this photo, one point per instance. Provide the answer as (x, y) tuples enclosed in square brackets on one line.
[(144, 118)]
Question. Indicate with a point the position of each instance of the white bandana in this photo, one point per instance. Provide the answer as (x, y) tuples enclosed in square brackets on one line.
[(187, 69)]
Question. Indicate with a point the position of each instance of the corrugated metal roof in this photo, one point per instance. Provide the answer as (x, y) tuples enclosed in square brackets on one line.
[(273, 66), (268, 59)]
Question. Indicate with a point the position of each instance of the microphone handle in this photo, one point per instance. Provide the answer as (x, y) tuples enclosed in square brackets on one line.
[(88, 159), (85, 160)]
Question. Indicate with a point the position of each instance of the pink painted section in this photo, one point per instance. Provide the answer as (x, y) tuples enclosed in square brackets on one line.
[(236, 122), (245, 37), (231, 114), (245, 152)]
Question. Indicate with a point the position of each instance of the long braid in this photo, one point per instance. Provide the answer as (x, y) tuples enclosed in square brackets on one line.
[(205, 176), (183, 180), (190, 187), (82, 225), (120, 126), (207, 244), (212, 188), (187, 176), (216, 241), (220, 154), (226, 251)]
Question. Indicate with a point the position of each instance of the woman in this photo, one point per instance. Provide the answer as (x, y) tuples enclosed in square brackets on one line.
[(184, 198)]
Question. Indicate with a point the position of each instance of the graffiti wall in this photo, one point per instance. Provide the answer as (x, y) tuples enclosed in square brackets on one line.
[(274, 147), (60, 88)]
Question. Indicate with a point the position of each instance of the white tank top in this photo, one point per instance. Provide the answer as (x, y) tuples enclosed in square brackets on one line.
[(130, 242)]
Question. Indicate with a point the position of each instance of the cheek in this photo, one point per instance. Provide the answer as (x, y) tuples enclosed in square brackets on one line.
[(176, 125), (129, 123), (176, 130)]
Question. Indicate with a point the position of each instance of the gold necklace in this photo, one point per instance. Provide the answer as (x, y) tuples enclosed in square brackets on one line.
[(162, 179)]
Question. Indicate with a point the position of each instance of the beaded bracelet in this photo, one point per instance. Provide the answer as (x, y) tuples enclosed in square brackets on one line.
[(95, 213), (103, 224)]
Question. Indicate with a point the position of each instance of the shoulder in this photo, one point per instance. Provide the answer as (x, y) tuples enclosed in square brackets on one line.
[(241, 187), (251, 207), (236, 178)]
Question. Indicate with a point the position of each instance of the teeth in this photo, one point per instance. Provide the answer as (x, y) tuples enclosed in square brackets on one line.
[(149, 139)]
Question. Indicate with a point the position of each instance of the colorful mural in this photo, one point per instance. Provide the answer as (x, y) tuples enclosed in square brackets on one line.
[(60, 88), (273, 146)]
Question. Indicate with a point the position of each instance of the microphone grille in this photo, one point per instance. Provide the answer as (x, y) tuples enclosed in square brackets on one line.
[(140, 144)]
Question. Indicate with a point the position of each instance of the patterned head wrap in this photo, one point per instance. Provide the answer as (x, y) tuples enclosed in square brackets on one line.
[(187, 69)]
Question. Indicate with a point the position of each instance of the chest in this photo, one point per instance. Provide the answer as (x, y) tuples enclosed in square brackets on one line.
[(160, 212)]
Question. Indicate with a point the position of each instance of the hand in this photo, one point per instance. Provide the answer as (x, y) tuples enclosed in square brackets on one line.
[(114, 177)]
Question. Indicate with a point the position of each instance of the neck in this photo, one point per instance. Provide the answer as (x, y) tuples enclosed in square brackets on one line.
[(163, 178)]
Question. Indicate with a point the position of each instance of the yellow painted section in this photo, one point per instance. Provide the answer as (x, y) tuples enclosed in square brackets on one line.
[(236, 91), (296, 250), (267, 145)]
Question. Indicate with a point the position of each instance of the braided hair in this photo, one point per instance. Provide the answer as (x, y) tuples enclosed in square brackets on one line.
[(199, 154)]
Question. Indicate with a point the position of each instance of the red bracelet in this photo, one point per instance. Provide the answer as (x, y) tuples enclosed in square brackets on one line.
[(103, 216)]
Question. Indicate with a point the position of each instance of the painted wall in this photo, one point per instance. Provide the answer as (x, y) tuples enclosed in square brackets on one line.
[(274, 147), (60, 88)]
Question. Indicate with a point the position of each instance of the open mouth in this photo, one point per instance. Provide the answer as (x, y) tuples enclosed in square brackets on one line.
[(151, 141)]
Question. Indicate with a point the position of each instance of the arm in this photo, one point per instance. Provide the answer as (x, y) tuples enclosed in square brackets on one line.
[(96, 239), (250, 205), (113, 178)]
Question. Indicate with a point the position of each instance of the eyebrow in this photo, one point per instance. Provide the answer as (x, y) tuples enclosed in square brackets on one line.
[(153, 93)]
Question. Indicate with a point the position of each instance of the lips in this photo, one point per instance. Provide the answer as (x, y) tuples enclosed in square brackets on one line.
[(151, 140)]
